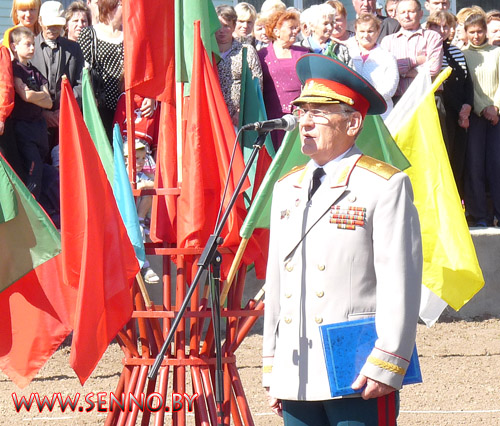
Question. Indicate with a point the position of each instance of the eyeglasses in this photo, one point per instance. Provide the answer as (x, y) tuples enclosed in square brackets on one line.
[(319, 116)]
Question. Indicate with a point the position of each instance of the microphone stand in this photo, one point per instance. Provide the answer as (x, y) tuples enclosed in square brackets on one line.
[(210, 256)]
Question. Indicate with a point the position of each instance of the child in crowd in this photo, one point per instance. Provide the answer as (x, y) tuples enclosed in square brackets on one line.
[(146, 126), (144, 202), (32, 96)]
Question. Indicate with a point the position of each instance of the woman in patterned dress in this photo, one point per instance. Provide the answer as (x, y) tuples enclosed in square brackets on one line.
[(102, 47), (230, 64)]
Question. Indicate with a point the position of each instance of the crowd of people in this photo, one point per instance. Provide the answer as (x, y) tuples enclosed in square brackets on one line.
[(45, 44), (388, 51)]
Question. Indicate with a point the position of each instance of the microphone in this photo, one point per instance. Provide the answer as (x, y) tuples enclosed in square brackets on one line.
[(287, 122)]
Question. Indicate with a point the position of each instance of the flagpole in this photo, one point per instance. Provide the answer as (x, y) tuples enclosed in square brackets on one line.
[(144, 291), (234, 267), (207, 257), (130, 137)]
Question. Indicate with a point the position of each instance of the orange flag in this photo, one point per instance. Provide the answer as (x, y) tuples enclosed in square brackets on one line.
[(207, 151), (98, 258)]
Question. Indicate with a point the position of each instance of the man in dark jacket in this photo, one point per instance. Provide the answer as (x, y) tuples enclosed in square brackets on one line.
[(54, 57)]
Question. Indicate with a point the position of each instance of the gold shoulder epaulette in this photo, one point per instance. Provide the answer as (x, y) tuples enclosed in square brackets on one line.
[(376, 166), (294, 169)]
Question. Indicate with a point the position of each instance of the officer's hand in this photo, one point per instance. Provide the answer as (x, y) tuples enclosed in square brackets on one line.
[(372, 388), (275, 404)]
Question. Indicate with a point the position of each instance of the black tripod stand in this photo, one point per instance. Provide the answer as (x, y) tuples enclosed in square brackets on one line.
[(211, 256)]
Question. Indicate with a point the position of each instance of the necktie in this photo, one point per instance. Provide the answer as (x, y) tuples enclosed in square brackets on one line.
[(316, 181)]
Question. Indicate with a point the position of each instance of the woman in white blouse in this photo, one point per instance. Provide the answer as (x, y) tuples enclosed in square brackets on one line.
[(375, 64)]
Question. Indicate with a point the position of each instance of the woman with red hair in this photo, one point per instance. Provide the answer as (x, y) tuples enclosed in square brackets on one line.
[(278, 59), (24, 13)]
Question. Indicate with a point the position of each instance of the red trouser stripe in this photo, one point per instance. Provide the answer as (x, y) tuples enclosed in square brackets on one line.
[(387, 410)]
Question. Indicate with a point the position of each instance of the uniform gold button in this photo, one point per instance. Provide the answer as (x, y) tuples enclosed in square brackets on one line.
[(289, 267), (288, 295), (288, 320), (320, 293), (321, 267), (318, 320)]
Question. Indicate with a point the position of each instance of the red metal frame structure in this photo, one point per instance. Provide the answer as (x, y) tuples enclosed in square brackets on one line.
[(193, 348), (145, 335)]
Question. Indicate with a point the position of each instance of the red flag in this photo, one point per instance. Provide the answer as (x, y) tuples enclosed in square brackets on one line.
[(164, 209), (36, 318), (207, 151), (149, 43), (149, 46), (98, 258), (35, 306)]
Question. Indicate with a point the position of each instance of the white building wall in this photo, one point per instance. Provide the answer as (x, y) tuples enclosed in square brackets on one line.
[(5, 19)]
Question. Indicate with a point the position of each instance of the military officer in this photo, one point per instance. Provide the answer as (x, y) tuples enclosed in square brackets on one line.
[(345, 244)]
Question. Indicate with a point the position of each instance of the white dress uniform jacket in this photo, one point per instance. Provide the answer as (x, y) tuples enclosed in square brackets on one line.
[(343, 269)]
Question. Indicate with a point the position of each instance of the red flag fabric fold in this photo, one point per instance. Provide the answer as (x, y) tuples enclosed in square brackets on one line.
[(164, 209), (36, 308), (149, 46), (98, 258), (207, 150), (36, 314)]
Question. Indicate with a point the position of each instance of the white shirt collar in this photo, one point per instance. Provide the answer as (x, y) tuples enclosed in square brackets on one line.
[(329, 167)]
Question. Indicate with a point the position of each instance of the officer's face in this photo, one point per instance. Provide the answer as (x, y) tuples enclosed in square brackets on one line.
[(327, 131)]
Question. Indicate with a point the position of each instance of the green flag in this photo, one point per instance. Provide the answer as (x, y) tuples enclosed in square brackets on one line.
[(374, 140), (288, 156), (186, 13), (94, 125), (252, 109), (27, 236), (8, 199)]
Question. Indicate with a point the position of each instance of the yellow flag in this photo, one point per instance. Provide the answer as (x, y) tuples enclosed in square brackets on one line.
[(451, 269)]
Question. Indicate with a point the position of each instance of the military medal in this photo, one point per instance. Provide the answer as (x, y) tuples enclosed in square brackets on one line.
[(348, 218)]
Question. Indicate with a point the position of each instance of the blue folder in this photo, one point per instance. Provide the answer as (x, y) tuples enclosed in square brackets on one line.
[(346, 346)]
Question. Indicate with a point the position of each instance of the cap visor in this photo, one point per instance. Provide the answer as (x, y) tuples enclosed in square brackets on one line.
[(314, 100)]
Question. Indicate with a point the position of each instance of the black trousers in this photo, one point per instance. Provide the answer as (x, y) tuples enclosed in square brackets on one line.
[(8, 148), (33, 146), (343, 412)]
